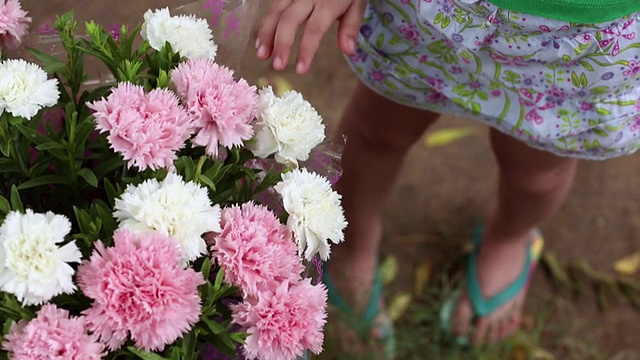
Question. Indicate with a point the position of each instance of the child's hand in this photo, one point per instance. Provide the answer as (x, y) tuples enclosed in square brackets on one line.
[(286, 17)]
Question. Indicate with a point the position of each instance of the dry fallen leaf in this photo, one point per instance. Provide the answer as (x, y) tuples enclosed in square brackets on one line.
[(389, 270), (399, 305), (628, 265), (447, 136), (279, 84), (542, 354), (422, 275)]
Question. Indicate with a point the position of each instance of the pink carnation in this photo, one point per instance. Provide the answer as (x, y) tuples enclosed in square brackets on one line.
[(223, 108), (53, 334), (285, 322), (147, 129), (13, 24), (255, 250), (139, 287)]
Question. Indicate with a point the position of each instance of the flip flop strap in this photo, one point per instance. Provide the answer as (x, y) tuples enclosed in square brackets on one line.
[(483, 306), (362, 326)]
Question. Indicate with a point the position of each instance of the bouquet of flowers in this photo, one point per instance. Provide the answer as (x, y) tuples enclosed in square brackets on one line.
[(168, 214)]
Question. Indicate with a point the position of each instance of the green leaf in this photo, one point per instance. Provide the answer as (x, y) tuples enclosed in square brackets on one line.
[(89, 176), (583, 80), (214, 327), (575, 80), (108, 166), (586, 65), (219, 278), (50, 63), (83, 130), (599, 90), (16, 203), (380, 41), (206, 268), (83, 219), (189, 169), (5, 207), (208, 182), (189, 344), (51, 145), (43, 180), (142, 354)]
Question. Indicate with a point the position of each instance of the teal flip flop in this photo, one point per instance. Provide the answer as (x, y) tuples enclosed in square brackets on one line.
[(363, 324), (483, 306)]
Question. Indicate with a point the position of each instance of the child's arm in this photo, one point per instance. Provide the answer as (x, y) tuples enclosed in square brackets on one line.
[(285, 17)]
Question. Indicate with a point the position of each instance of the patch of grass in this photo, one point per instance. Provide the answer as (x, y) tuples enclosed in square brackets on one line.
[(420, 338)]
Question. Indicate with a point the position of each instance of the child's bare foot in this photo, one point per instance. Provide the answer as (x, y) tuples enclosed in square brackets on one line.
[(357, 326), (498, 265)]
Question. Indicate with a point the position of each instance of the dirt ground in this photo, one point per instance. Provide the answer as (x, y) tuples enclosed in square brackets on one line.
[(442, 191)]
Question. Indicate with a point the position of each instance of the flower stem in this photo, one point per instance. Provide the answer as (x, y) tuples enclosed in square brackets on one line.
[(196, 177)]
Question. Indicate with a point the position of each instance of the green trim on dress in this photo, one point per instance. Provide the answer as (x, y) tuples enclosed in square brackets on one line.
[(576, 11)]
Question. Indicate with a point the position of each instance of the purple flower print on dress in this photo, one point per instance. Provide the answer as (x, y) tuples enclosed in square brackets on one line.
[(456, 70), (366, 31), (551, 41), (607, 76), (634, 69), (488, 40), (635, 125), (377, 75), (493, 19), (532, 99), (448, 7), (387, 17), (587, 106), (508, 60), (435, 97), (556, 96), (617, 31), (457, 37), (435, 83), (475, 85), (496, 93), (410, 33), (359, 55), (527, 81)]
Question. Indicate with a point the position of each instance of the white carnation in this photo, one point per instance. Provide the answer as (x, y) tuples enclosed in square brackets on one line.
[(315, 211), (25, 88), (172, 207), (32, 266), (287, 127), (189, 36)]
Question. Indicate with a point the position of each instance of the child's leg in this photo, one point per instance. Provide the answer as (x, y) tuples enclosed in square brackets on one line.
[(532, 185), (379, 133)]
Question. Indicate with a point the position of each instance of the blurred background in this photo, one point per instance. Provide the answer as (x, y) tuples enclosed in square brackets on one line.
[(585, 300)]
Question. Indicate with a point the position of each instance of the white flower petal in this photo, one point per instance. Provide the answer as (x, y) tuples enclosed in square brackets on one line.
[(24, 88), (189, 36), (32, 267), (315, 212), (287, 127), (172, 207)]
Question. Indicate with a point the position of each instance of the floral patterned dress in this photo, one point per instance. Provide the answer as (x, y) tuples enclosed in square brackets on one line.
[(572, 89)]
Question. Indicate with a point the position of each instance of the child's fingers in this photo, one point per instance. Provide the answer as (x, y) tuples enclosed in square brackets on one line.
[(290, 21), (317, 25), (264, 38), (350, 26)]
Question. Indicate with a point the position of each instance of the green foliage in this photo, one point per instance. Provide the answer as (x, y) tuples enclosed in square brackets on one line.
[(57, 162)]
